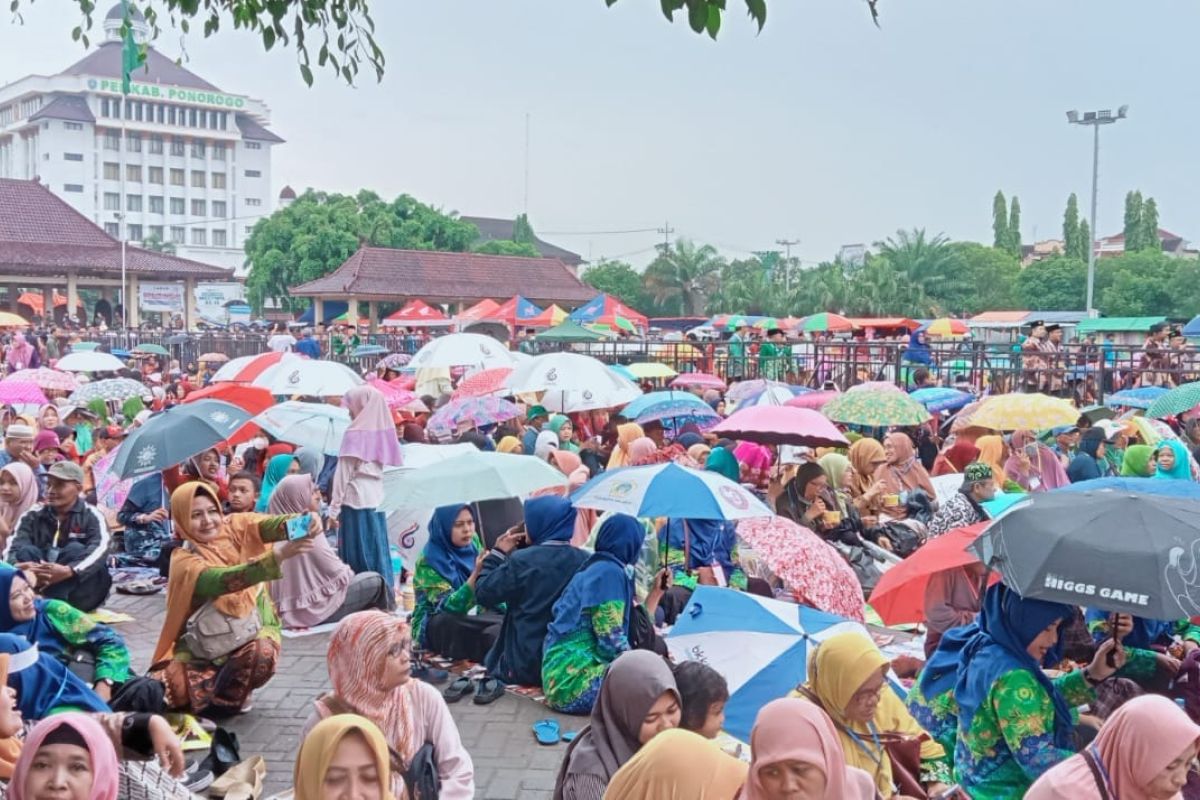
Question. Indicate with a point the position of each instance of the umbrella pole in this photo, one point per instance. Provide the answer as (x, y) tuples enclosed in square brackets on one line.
[(687, 549)]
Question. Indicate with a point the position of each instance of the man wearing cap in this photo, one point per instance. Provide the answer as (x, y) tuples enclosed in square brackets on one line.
[(18, 445), (965, 507), (534, 420), (1054, 379), (64, 542), (1033, 364), (1152, 364)]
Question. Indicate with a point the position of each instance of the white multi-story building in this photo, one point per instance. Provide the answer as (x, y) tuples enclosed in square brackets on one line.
[(176, 159)]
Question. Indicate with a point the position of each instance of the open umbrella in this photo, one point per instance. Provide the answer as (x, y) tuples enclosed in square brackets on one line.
[(10, 320), (471, 477), (701, 380), (473, 412), (669, 490), (899, 597), (112, 390), (213, 358), (1019, 412), (875, 386), (652, 369), (1141, 397), (175, 435), (152, 349), (825, 321), (394, 361), (251, 398), (398, 399), (296, 375), (572, 382), (306, 424), (84, 347), (749, 390), (875, 409), (484, 383), (947, 327), (463, 350), (813, 400), (48, 379), (89, 361), (942, 398), (244, 369), (680, 407), (16, 393), (781, 425), (1078, 548), (367, 350), (1176, 401)]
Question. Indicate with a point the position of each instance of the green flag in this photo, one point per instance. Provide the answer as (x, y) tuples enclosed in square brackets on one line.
[(131, 53)]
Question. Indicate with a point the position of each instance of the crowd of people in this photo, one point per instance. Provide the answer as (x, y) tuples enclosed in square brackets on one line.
[(1015, 698)]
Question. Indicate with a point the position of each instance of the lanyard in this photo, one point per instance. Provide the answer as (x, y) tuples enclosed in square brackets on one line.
[(1103, 770), (877, 756)]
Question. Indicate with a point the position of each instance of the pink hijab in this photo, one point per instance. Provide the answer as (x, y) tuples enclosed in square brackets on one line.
[(1046, 467), (571, 465), (641, 451), (314, 585), (26, 492), (105, 768), (797, 730), (20, 352), (1136, 743), (372, 434)]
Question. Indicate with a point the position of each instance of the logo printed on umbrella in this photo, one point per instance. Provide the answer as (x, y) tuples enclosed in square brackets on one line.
[(587, 394), (620, 490), (735, 497), (293, 377), (219, 417), (483, 348), (552, 375), (145, 456)]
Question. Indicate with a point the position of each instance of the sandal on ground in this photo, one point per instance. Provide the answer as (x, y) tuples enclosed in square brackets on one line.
[(546, 731), (458, 689), (488, 690)]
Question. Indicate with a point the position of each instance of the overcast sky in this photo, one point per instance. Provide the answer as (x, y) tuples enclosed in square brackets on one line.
[(823, 128)]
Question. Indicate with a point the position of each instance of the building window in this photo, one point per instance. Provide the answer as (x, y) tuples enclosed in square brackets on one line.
[(104, 107), (198, 148), (191, 114), (177, 177), (133, 202), (253, 202), (135, 233), (203, 119), (198, 181), (253, 173), (112, 172), (219, 238), (133, 142), (73, 126), (178, 235), (218, 180), (177, 147), (199, 208), (156, 175), (156, 232), (177, 206), (156, 141), (113, 229), (112, 140), (199, 236), (159, 113), (112, 201), (72, 187), (218, 209), (72, 156), (133, 172), (170, 115), (156, 204), (253, 145), (218, 151)]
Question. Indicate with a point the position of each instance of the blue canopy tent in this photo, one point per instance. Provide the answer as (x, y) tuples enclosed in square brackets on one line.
[(1193, 327), (332, 309)]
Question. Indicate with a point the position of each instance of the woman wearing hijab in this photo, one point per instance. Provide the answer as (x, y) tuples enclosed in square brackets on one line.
[(317, 587), (1088, 463), (310, 461), (562, 427), (571, 465), (444, 584), (42, 685), (917, 351), (1144, 752), (278, 468), (847, 679), (544, 444), (591, 618), (994, 453), (369, 663), (343, 755), (68, 756), (21, 354), (952, 599), (642, 451), (1173, 461), (699, 452), (147, 523), (637, 700), (369, 445), (1138, 461), (810, 500), (220, 571), (999, 677), (755, 460), (866, 491), (627, 433), (902, 475), (510, 444), (528, 581), (791, 740), (18, 494), (722, 462), (1033, 466), (678, 763)]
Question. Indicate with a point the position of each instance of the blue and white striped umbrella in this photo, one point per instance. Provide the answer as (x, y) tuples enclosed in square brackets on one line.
[(669, 490), (1141, 397)]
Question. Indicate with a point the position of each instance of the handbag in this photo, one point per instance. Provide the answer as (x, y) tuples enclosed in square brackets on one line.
[(421, 779), (1095, 768), (211, 634)]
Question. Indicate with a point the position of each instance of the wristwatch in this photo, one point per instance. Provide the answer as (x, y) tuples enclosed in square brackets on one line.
[(109, 682)]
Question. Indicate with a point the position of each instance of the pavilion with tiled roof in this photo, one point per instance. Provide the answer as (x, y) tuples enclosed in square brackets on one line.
[(46, 244)]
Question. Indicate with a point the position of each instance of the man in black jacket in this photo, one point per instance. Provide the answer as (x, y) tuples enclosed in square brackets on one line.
[(64, 542)]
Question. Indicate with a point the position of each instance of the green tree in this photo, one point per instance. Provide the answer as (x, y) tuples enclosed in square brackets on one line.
[(682, 277), (1184, 289), (1150, 238), (619, 280), (1013, 243), (1073, 243), (825, 287), (1136, 284), (988, 280), (505, 247), (1085, 240), (155, 243), (999, 221), (746, 286), (523, 231), (1133, 222), (1053, 284), (924, 262), (313, 235)]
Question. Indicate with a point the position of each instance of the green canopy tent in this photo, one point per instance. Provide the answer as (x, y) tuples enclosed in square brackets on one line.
[(568, 331)]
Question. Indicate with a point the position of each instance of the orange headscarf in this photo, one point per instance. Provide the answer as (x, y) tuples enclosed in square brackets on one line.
[(627, 434), (991, 452), (236, 544), (863, 456)]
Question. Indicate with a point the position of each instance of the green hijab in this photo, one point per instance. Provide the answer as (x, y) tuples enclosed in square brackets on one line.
[(722, 462), (555, 424), (835, 466), (1136, 463)]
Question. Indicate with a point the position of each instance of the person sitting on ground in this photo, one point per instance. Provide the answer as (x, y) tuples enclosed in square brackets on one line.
[(699, 552), (866, 491), (955, 458), (678, 763), (344, 756), (809, 500), (244, 487), (64, 543), (18, 445), (902, 475), (18, 494), (46, 448), (369, 663), (636, 701), (527, 582), (317, 587), (1138, 461), (703, 694), (1173, 462), (1148, 641), (1088, 463), (1146, 749), (965, 507), (278, 468), (217, 577), (108, 438), (797, 753), (146, 519)]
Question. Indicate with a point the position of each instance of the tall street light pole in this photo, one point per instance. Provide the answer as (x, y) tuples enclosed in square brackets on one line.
[(1095, 119)]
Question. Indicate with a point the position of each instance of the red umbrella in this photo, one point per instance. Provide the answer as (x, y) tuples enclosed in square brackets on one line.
[(813, 400), (781, 425), (253, 399), (245, 369), (485, 383), (900, 594), (701, 379)]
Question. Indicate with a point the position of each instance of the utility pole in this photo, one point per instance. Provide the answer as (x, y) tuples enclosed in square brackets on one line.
[(786, 244), (666, 230), (1095, 119)]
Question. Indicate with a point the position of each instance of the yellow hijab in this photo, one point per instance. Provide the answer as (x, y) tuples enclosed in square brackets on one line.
[(840, 666), (509, 444), (627, 434), (321, 745), (678, 765), (991, 452)]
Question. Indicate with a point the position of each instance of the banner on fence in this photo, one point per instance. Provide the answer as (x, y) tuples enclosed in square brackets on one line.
[(166, 297), (213, 299)]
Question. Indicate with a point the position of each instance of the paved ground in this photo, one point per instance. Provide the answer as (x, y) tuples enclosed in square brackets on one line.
[(509, 764)]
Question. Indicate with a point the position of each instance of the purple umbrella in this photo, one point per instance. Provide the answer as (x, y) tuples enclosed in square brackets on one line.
[(472, 411), (16, 393)]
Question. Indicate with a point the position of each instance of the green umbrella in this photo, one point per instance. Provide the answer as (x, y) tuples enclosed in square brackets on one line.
[(568, 331), (875, 409), (825, 321), (152, 349), (80, 346), (767, 323), (736, 321), (1178, 400)]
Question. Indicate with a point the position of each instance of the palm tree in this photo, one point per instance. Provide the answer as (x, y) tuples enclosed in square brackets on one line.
[(684, 275), (928, 263)]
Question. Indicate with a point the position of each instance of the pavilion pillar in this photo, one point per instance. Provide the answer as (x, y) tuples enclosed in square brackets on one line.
[(129, 298), (318, 311), (189, 304), (72, 294), (48, 305), (352, 311), (13, 291), (372, 315)]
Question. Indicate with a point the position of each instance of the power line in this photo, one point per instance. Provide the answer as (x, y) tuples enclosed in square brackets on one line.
[(599, 233)]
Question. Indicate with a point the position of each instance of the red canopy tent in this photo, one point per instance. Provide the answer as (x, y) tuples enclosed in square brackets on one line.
[(418, 313), (514, 311), (477, 312)]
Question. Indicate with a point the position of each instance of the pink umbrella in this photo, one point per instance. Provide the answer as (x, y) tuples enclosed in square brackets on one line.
[(808, 566), (781, 425), (397, 398), (876, 386), (15, 393), (813, 400), (47, 378), (485, 383), (701, 379)]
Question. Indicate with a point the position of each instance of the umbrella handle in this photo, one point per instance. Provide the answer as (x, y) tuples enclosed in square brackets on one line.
[(687, 549)]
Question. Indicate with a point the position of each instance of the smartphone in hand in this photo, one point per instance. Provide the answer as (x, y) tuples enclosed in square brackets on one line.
[(297, 527)]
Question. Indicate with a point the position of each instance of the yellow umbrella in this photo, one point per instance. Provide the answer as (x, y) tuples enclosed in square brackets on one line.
[(947, 327), (9, 320), (651, 369), (1014, 412)]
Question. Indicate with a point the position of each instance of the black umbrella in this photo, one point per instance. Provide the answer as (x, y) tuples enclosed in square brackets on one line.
[(1110, 549), (177, 434)]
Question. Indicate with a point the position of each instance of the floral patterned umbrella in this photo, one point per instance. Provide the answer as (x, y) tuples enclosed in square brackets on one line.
[(485, 383), (474, 411), (111, 390), (394, 361), (16, 393), (942, 398), (700, 379), (1024, 412), (397, 398), (875, 409), (46, 378)]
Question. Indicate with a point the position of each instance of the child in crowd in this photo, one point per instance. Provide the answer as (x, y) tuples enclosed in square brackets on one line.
[(704, 693), (46, 447), (244, 487)]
